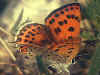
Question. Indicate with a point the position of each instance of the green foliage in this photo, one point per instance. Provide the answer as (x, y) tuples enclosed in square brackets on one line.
[(95, 66), (93, 14)]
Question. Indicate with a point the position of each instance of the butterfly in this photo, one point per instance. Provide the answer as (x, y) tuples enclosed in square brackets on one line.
[(60, 34)]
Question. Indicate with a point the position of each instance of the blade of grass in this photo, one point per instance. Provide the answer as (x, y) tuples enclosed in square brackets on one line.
[(7, 49), (11, 54), (15, 26), (3, 30)]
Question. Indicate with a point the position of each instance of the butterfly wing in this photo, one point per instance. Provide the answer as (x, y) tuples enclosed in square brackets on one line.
[(64, 24), (33, 35), (68, 50)]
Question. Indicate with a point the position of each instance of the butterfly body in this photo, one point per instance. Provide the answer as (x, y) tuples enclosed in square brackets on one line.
[(60, 34)]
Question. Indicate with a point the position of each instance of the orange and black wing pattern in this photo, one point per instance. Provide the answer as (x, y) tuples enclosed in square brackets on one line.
[(64, 22), (32, 35), (64, 25)]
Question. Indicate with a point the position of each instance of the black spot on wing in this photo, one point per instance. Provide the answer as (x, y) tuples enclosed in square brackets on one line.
[(31, 33), (66, 9), (27, 36), (25, 40), (21, 34), (56, 15), (65, 21), (70, 52), (38, 28), (68, 16), (61, 23), (57, 30), (33, 38), (71, 8), (65, 6), (33, 30), (19, 39), (77, 18), (62, 12), (71, 29), (52, 21), (30, 41), (72, 16), (70, 49)]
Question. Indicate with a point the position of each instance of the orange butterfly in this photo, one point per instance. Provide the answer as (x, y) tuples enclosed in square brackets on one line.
[(60, 34)]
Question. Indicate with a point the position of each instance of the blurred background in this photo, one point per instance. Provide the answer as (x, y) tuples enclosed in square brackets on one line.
[(16, 12)]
